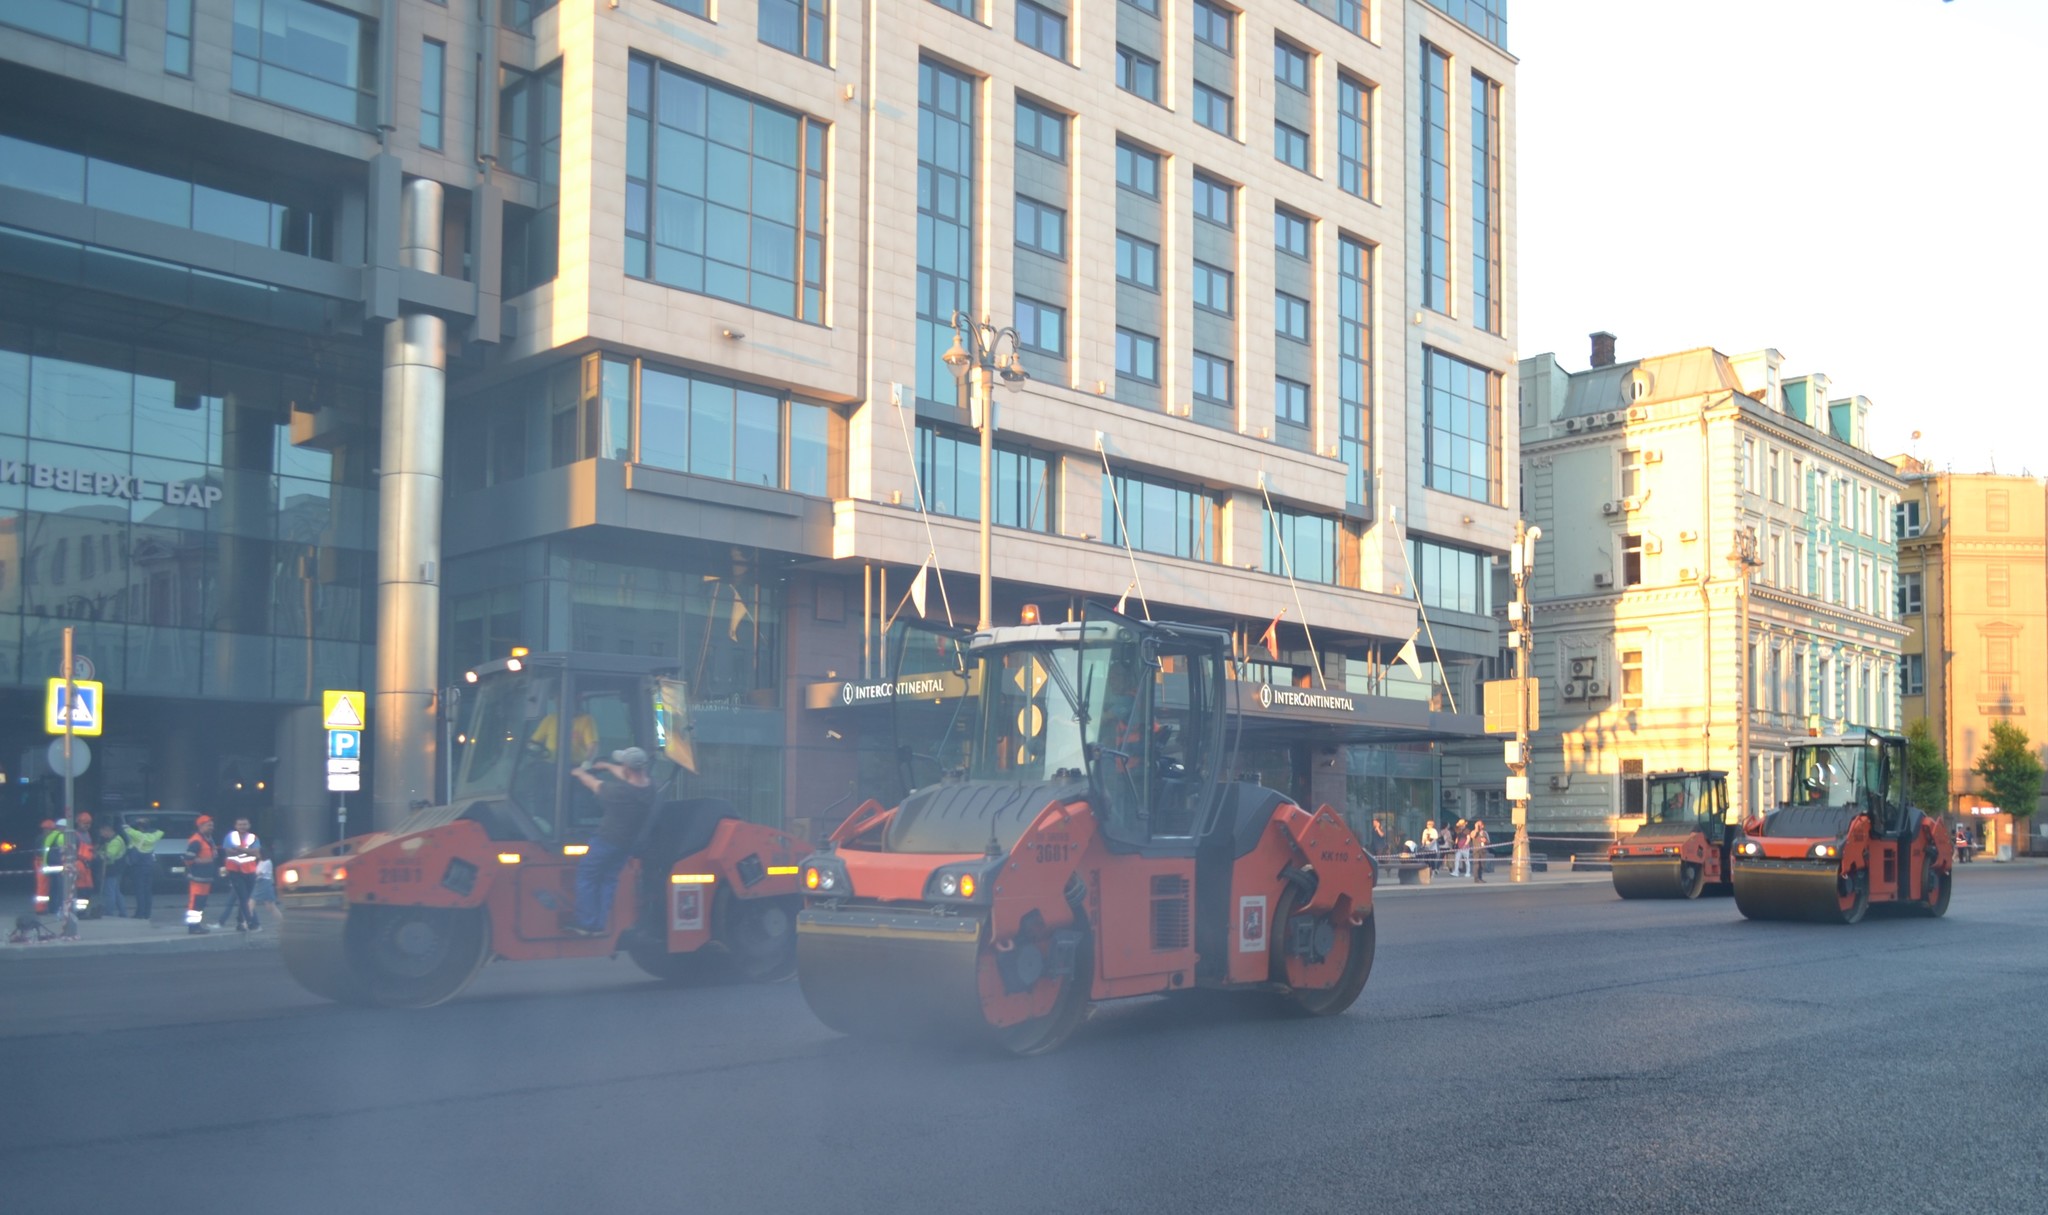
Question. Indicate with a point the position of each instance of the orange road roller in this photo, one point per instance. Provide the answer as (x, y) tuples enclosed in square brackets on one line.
[(1847, 842), (1076, 841), (1682, 847), (407, 917)]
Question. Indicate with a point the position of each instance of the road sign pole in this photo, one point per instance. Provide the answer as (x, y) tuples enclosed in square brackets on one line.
[(70, 707), (341, 817)]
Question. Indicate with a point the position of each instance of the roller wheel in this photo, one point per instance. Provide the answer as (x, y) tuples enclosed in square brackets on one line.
[(1041, 1035), (1943, 884), (1857, 901), (417, 957), (313, 944), (759, 936), (1692, 879), (1334, 999)]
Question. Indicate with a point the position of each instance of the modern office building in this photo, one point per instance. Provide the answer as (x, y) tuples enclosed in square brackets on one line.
[(1973, 594), (1716, 569), (345, 344)]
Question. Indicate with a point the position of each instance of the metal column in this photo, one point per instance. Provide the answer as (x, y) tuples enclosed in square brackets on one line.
[(409, 529)]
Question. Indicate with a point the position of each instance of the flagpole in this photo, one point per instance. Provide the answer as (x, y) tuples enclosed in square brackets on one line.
[(1287, 564), (1123, 533), (931, 540), (1436, 655)]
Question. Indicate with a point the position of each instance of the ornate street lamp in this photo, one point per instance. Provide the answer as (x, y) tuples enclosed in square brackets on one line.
[(978, 346)]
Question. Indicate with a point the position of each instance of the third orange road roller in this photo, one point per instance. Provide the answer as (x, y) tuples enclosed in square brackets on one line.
[(1682, 847), (1848, 840), (1077, 840)]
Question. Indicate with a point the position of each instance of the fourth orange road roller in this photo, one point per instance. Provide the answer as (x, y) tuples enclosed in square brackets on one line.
[(1077, 842), (1848, 841)]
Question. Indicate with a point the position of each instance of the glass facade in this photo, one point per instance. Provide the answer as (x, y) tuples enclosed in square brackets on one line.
[(1304, 544), (1159, 516), (88, 23), (1354, 137), (157, 503), (945, 221), (1454, 579), (725, 194), (307, 56), (1486, 268), (949, 469), (177, 37), (1486, 18), (433, 90), (1461, 431), (801, 27), (1436, 179), (1354, 368)]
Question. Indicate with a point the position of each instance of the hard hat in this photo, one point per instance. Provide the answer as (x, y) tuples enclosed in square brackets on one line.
[(204, 821), (49, 824)]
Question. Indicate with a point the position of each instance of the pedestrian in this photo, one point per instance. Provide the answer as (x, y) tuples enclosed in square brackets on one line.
[(91, 869), (1461, 850), (242, 852), (1429, 844), (142, 842), (266, 888), (202, 862), (1479, 843), (114, 868), (45, 872), (627, 796)]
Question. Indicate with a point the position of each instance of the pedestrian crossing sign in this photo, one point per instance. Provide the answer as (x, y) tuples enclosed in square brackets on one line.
[(342, 710), (82, 709)]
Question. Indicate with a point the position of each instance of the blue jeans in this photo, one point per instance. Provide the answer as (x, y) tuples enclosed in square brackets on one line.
[(143, 875), (597, 880)]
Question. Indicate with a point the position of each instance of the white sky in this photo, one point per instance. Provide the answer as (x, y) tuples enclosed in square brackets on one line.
[(1861, 184)]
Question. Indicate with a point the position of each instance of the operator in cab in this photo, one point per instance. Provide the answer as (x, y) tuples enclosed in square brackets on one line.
[(626, 792)]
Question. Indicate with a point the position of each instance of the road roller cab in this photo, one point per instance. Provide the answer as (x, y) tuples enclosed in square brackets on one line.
[(1682, 848), (1069, 838), (407, 917), (1848, 839)]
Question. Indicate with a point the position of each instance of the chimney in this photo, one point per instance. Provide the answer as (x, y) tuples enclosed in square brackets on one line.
[(1603, 349)]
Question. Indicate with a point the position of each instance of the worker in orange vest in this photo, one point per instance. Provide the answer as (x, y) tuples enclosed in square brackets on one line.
[(202, 862), (87, 870), (43, 874)]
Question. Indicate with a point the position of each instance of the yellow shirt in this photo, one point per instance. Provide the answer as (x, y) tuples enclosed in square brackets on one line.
[(582, 735)]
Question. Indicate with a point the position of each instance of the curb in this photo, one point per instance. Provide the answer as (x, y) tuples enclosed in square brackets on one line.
[(210, 943)]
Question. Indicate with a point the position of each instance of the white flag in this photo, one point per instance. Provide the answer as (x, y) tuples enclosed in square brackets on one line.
[(917, 586), (1407, 655), (1123, 598)]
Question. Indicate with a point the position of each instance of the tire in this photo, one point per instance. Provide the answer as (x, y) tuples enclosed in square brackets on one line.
[(1042, 1035), (417, 957), (1944, 886), (1856, 903), (759, 936), (1692, 879), (1325, 1001)]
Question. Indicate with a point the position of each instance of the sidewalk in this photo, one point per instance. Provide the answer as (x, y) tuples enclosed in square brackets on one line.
[(165, 933), (1558, 872)]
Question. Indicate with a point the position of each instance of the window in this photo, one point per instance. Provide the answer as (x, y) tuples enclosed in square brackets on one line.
[(1213, 378), (1798, 483), (1354, 136), (1436, 179), (94, 24), (1303, 544), (1453, 579), (1290, 65), (729, 430), (1798, 573), (1912, 675), (1042, 327), (1631, 472), (1041, 227), (801, 27), (530, 123), (1137, 356), (1041, 130), (1212, 109), (433, 86), (1290, 401), (1631, 560), (1150, 7), (1042, 29), (1290, 232), (1906, 594), (178, 37), (725, 194), (1290, 146), (1631, 679), (1997, 510), (949, 468), (1748, 469), (1137, 261), (1138, 170), (1137, 73), (1354, 366), (966, 8), (1485, 151), (1290, 313), (1160, 516), (945, 221), (1213, 25), (1486, 18), (1214, 288), (308, 57), (1214, 200), (1906, 519), (1634, 789), (1461, 405), (1998, 585)]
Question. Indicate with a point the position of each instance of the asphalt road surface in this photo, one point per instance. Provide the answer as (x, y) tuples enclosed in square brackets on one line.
[(1518, 1049)]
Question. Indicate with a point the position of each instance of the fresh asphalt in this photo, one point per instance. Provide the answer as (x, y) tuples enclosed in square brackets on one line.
[(1534, 1048)]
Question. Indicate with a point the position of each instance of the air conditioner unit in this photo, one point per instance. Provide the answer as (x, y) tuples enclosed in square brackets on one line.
[(1584, 668), (1638, 413), (1654, 455), (1574, 689), (1652, 545), (1560, 782), (1575, 425), (1603, 580), (1615, 416), (1610, 507), (1688, 574), (1453, 798), (1595, 689)]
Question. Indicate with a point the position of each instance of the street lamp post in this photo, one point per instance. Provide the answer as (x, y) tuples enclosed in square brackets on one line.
[(1522, 626), (1745, 558), (978, 346)]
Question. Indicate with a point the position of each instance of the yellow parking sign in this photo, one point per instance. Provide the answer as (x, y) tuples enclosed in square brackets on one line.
[(341, 710), (81, 706)]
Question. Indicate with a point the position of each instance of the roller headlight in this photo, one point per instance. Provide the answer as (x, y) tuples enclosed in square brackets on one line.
[(825, 875), (1824, 851), (1752, 848), (949, 885), (958, 883)]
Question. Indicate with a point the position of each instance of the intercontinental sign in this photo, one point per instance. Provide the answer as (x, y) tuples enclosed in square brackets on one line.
[(1271, 697)]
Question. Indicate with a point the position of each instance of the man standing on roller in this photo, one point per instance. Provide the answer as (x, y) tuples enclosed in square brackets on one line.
[(627, 795)]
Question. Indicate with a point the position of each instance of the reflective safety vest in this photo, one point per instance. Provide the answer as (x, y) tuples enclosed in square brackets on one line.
[(200, 862), (241, 849)]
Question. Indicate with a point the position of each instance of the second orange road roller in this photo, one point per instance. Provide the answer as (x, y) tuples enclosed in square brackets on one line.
[(1848, 840), (408, 917), (1077, 841), (1682, 847)]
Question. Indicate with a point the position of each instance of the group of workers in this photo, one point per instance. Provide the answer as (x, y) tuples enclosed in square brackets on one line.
[(83, 872)]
